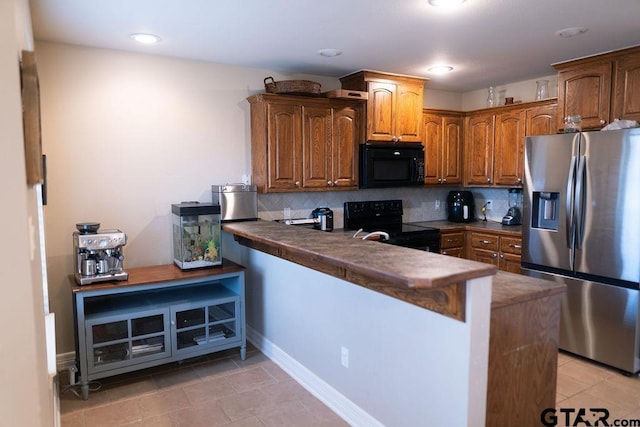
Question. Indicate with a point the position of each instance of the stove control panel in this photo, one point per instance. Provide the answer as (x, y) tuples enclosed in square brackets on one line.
[(373, 209)]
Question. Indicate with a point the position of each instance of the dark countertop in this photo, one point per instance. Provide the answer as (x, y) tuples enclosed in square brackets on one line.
[(398, 266), (405, 271)]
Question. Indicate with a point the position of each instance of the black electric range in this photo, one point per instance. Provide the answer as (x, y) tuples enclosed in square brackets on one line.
[(386, 215)]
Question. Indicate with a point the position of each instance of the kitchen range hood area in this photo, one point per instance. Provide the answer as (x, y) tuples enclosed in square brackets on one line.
[(126, 135)]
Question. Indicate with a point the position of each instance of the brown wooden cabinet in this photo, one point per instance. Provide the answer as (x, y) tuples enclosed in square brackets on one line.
[(600, 88), (452, 243), (442, 135), (478, 145), (304, 144), (502, 251), (394, 107), (509, 148), (494, 141)]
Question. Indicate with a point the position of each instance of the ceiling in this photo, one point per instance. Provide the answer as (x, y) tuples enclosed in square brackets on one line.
[(488, 42)]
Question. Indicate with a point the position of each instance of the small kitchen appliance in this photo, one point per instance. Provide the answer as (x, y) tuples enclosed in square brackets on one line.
[(196, 235), (98, 254), (324, 218), (514, 214), (391, 165), (386, 216), (460, 206), (238, 202)]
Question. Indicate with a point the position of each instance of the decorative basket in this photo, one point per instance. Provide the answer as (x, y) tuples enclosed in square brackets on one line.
[(300, 87)]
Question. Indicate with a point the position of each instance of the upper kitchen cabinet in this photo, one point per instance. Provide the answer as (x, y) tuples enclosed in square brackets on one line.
[(600, 88), (442, 138), (394, 107), (304, 143), (494, 141)]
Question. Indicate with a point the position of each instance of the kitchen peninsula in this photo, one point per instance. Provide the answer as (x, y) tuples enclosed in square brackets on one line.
[(395, 350)]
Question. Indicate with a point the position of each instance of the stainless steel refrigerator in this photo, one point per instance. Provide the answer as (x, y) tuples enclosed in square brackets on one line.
[(581, 227)]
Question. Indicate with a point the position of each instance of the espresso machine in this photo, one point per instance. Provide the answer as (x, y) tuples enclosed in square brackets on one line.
[(98, 254)]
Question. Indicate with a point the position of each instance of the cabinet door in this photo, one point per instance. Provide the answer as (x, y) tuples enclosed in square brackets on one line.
[(452, 141), (284, 146), (409, 98), (345, 139), (626, 97), (482, 255), (316, 147), (509, 148), (381, 111), (115, 341), (198, 326), (542, 120), (478, 137), (585, 90), (432, 142), (510, 263)]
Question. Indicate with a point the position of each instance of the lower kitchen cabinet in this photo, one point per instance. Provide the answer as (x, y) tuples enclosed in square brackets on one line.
[(502, 251), (160, 315), (452, 243)]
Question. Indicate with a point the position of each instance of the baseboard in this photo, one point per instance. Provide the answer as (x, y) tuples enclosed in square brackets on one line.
[(346, 409)]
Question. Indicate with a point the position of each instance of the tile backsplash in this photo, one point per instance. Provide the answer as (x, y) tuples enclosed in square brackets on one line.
[(419, 204)]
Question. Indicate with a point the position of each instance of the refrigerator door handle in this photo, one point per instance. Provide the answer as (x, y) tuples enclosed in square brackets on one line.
[(569, 216), (580, 211)]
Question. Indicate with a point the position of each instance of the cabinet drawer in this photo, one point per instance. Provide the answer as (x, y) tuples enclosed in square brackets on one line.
[(452, 240), (484, 241), (454, 252), (511, 245)]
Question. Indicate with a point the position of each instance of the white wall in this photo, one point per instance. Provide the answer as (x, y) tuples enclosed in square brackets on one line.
[(524, 91), (126, 135), (25, 398), (407, 366)]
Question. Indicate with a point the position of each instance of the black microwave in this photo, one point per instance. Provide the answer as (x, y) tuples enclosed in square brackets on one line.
[(391, 165)]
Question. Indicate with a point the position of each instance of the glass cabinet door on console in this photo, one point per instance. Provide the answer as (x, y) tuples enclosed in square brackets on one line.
[(208, 323), (124, 339)]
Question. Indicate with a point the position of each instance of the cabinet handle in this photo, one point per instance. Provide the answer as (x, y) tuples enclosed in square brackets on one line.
[(444, 180), (485, 242), (329, 183), (494, 255), (439, 180), (335, 182), (603, 121), (502, 256), (449, 240), (297, 183), (519, 180), (489, 180), (515, 246), (399, 138)]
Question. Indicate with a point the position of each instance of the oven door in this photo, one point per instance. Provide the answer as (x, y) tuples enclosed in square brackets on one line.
[(422, 242)]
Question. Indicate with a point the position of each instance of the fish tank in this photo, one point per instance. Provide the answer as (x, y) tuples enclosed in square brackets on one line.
[(196, 235)]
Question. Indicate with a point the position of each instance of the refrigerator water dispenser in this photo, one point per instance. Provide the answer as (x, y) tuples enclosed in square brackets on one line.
[(545, 210)]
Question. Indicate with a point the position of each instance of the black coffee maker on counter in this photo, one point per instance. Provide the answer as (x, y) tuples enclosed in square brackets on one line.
[(460, 206)]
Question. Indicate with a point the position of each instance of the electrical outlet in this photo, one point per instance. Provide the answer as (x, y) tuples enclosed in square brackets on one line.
[(437, 205), (489, 204), (344, 357)]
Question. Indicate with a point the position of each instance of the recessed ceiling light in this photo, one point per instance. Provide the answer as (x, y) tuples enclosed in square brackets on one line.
[(329, 53), (445, 3), (440, 69), (145, 38), (570, 32)]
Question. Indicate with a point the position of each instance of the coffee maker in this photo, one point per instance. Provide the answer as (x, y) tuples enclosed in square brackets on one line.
[(98, 254), (514, 214)]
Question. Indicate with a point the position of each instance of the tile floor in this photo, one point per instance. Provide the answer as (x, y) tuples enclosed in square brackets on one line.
[(217, 390), (222, 390)]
